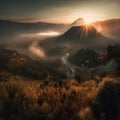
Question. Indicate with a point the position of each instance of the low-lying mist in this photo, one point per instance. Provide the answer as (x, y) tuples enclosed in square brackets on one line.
[(38, 40)]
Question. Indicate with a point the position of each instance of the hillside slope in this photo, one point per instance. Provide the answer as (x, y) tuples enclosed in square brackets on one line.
[(23, 65)]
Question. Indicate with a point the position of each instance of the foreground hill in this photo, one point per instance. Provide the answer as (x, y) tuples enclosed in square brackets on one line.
[(24, 99), (23, 65), (111, 53)]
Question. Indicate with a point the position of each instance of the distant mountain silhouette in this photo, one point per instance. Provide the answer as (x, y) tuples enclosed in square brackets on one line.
[(79, 22), (110, 27), (76, 37), (8, 28), (80, 33)]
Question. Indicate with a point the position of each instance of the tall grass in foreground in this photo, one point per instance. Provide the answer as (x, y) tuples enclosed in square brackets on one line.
[(23, 99)]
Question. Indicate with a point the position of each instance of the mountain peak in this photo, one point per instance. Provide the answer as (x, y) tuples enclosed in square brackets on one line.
[(80, 33), (79, 22)]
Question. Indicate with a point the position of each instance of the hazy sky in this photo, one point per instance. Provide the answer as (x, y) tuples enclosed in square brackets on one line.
[(59, 10)]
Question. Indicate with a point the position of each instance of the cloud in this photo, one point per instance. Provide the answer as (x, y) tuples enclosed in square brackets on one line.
[(48, 34), (33, 48)]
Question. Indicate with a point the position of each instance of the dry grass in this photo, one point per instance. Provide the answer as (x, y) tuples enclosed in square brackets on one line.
[(23, 99)]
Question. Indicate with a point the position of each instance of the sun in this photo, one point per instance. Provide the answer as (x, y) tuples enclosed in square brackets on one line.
[(83, 22), (89, 19)]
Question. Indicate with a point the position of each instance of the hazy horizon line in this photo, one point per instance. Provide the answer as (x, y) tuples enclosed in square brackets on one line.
[(39, 20)]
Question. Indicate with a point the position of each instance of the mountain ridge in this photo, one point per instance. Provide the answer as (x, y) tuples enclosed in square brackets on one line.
[(23, 65)]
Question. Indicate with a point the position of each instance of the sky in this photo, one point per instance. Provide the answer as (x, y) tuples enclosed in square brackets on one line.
[(59, 11)]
